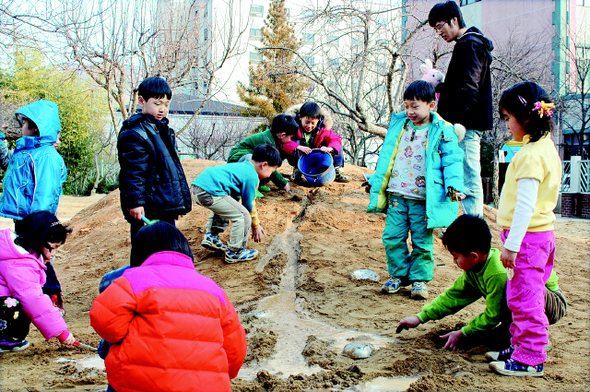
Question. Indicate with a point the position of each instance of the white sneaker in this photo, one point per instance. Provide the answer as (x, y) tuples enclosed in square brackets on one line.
[(419, 290)]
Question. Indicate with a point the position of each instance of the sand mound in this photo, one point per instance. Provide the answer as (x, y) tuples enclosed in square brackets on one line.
[(298, 297)]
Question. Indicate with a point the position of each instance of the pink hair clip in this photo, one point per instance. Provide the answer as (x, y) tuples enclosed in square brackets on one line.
[(522, 100), (544, 108)]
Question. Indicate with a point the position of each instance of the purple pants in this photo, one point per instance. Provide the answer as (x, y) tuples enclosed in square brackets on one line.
[(525, 294)]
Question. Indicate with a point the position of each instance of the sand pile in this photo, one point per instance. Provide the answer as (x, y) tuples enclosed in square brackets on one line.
[(300, 305)]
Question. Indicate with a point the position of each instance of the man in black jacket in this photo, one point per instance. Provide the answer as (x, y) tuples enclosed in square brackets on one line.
[(152, 182), (466, 94)]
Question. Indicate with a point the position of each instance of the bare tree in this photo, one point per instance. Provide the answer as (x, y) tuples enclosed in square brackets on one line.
[(520, 57), (23, 20), (361, 69), (213, 137), (363, 50), (119, 43), (575, 99)]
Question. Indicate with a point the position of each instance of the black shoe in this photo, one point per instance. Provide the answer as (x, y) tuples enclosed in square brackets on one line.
[(12, 348), (297, 176)]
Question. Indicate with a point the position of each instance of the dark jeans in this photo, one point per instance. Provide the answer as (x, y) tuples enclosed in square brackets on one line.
[(52, 285)]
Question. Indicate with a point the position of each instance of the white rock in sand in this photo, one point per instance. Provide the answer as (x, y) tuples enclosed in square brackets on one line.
[(361, 274), (359, 350)]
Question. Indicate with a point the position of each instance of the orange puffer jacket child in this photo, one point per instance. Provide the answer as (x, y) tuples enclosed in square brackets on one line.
[(172, 329)]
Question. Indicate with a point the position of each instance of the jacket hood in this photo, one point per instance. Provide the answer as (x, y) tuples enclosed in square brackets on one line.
[(9, 251), (294, 111), (473, 33), (46, 115)]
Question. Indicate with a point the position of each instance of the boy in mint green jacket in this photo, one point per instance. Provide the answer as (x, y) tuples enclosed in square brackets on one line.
[(468, 239)]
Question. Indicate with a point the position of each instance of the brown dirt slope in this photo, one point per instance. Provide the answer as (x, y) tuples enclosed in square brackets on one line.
[(315, 244)]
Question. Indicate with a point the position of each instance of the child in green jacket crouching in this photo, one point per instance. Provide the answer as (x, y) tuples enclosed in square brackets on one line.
[(468, 239)]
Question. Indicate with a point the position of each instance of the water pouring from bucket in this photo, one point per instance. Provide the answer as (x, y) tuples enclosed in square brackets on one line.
[(317, 167)]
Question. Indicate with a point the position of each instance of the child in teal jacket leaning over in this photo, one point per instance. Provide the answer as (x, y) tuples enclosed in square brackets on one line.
[(418, 178)]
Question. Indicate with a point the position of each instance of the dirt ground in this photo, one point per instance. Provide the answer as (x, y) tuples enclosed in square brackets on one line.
[(299, 304)]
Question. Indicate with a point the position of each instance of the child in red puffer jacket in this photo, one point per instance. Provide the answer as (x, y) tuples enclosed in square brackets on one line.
[(171, 328)]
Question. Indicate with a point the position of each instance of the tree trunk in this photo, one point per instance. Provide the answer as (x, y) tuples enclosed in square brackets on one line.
[(97, 179), (495, 178)]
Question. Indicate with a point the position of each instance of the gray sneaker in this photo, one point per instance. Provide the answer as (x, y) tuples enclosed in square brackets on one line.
[(340, 176), (392, 285), (241, 255), (419, 290), (213, 242)]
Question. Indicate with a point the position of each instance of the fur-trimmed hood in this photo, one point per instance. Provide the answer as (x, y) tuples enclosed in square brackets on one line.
[(294, 111)]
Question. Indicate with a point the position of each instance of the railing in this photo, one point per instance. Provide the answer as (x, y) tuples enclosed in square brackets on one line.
[(565, 177), (576, 176), (585, 176)]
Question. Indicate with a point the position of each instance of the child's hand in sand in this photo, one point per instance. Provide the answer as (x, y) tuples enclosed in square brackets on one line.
[(408, 322), (453, 339), (257, 233), (67, 338)]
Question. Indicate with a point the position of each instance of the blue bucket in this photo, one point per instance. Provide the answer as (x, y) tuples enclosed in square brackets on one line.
[(317, 167)]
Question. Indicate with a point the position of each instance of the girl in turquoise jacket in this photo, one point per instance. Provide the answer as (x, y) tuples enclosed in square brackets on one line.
[(419, 173), (36, 171)]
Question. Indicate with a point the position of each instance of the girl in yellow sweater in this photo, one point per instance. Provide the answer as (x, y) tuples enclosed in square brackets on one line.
[(525, 212)]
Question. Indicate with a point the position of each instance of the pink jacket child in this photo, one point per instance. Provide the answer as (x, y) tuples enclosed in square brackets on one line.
[(23, 256), (314, 132)]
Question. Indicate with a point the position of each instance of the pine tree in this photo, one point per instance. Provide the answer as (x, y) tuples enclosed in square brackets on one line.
[(274, 84)]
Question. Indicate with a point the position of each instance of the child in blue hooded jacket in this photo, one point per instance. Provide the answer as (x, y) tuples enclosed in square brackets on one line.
[(35, 173), (418, 179)]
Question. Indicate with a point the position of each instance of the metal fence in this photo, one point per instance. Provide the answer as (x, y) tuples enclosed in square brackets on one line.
[(576, 176)]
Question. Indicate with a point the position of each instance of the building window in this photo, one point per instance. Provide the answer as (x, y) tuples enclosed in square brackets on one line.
[(255, 58), (467, 2), (334, 63), (307, 39), (583, 61), (256, 10), (333, 40), (256, 34), (583, 3)]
